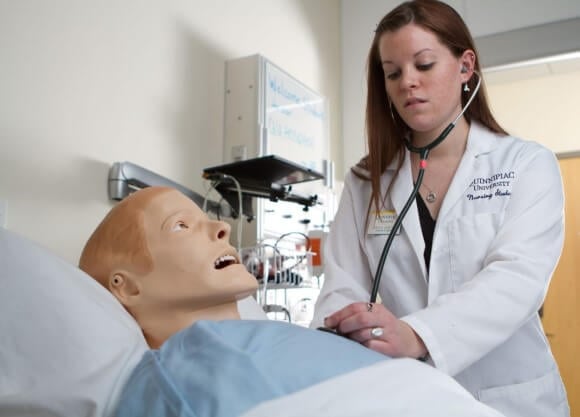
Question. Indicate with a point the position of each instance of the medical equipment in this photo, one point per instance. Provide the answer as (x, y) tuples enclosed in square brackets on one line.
[(423, 152), (283, 268), (269, 177)]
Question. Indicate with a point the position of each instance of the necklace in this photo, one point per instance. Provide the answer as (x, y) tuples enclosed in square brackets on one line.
[(431, 195)]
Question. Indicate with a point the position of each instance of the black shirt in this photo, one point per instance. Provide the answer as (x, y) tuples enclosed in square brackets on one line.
[(427, 227)]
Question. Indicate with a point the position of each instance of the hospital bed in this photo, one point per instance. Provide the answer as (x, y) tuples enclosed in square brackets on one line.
[(67, 347)]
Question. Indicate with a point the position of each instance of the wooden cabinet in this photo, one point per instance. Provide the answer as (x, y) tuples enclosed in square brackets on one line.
[(561, 312)]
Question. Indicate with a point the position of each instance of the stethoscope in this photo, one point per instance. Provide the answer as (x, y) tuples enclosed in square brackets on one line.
[(423, 152)]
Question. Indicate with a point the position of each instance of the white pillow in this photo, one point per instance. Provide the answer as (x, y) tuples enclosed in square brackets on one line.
[(67, 346)]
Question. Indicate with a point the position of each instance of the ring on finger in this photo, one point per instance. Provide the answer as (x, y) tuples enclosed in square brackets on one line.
[(376, 332)]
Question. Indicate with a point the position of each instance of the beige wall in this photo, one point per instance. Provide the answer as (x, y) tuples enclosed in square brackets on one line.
[(544, 108), (87, 83)]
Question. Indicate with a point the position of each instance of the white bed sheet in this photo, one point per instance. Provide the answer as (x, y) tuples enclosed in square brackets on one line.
[(399, 387)]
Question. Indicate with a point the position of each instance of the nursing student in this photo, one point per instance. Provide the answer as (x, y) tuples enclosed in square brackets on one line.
[(471, 263)]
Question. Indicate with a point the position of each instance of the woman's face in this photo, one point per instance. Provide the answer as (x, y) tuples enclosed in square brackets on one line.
[(422, 78)]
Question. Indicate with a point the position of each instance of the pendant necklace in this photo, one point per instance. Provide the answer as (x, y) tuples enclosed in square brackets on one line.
[(431, 195)]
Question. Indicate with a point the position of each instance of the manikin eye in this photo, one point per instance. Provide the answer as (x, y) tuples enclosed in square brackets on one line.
[(179, 226)]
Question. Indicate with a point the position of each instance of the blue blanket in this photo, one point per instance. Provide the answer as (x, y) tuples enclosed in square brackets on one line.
[(222, 369)]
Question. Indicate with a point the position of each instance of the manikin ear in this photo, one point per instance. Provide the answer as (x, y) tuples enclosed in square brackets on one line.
[(124, 288)]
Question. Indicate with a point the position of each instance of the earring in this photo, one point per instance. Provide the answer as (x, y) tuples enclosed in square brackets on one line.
[(466, 88)]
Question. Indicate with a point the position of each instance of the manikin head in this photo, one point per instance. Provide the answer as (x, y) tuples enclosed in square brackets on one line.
[(166, 262)]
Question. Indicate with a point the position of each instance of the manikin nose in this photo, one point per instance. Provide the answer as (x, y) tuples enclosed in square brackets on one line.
[(222, 230)]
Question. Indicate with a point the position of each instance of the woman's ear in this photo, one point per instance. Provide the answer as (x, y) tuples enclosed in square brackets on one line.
[(467, 64), (124, 287)]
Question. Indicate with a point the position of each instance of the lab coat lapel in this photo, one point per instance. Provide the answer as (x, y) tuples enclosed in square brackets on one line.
[(400, 191), (479, 141)]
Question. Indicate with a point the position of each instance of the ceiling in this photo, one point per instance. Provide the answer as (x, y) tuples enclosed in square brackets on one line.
[(533, 51), (560, 64)]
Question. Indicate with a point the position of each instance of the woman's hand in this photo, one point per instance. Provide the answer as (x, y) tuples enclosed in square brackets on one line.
[(377, 328)]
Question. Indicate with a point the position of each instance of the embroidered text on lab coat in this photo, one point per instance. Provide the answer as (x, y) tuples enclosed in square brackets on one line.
[(486, 188)]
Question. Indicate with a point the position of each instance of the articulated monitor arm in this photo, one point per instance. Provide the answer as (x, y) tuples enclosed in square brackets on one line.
[(126, 177)]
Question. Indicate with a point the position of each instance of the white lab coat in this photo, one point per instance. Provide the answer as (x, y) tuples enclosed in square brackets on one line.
[(497, 240)]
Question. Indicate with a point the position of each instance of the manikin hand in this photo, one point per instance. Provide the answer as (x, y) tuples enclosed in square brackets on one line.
[(377, 328)]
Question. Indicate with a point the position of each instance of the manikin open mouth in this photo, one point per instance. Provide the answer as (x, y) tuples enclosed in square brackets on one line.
[(225, 261)]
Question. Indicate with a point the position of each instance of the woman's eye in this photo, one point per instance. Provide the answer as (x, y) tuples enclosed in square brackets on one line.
[(392, 75), (179, 226), (425, 67)]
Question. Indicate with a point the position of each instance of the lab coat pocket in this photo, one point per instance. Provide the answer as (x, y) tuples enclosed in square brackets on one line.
[(469, 241), (540, 397)]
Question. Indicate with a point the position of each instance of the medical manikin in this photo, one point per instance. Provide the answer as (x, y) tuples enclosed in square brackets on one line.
[(175, 272), (167, 263)]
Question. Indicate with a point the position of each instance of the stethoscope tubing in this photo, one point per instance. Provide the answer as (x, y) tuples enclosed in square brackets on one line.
[(392, 234), (423, 152)]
